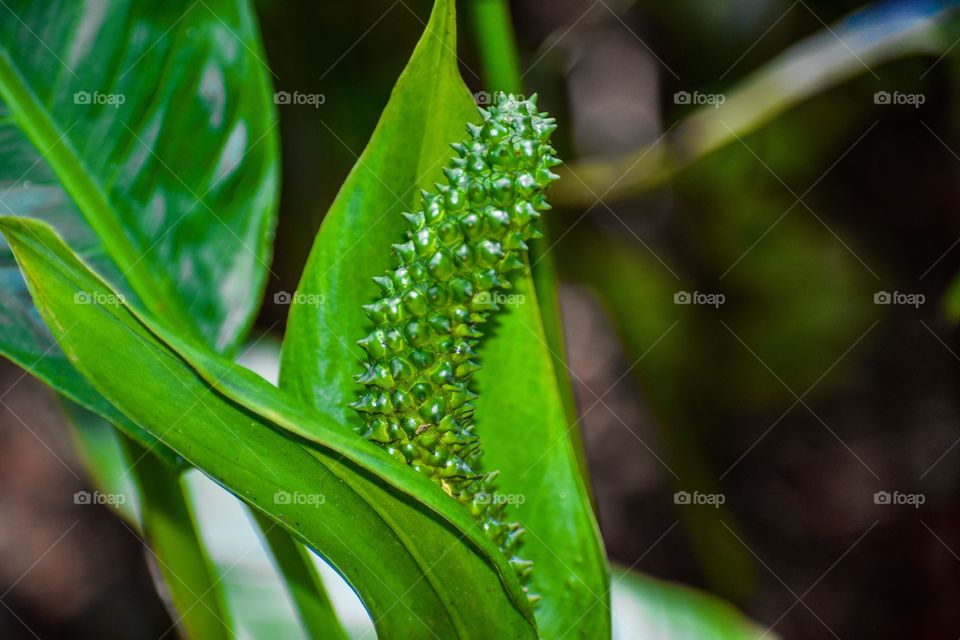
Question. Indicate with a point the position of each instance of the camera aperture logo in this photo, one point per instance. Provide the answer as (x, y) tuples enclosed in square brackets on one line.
[(696, 297), (298, 298), (96, 98), (297, 98), (99, 298), (896, 498), (298, 498), (696, 498), (897, 98), (109, 499), (896, 297), (696, 97), (485, 98)]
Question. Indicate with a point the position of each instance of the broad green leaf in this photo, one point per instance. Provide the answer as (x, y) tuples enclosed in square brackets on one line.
[(26, 341), (83, 166), (152, 126), (657, 610), (522, 420), (156, 119), (428, 109), (420, 562)]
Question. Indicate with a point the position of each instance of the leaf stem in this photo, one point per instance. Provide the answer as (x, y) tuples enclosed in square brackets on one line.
[(171, 531), (496, 45)]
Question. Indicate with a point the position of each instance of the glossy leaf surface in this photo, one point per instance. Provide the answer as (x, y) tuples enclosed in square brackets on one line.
[(145, 133), (156, 121)]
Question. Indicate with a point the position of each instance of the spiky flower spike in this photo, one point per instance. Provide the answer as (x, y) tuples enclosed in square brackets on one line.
[(464, 246)]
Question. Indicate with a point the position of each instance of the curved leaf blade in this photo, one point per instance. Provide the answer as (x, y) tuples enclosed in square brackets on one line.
[(522, 418), (427, 110), (61, 143), (422, 564)]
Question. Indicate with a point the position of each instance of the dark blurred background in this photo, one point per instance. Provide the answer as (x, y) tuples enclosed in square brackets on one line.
[(793, 402)]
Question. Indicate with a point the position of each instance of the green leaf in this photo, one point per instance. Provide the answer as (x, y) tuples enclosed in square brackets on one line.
[(173, 179), (157, 121), (117, 163), (522, 420), (428, 109), (26, 341), (657, 610), (419, 561)]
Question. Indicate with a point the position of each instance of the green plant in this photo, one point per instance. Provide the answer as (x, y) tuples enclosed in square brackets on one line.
[(141, 260), (107, 292)]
